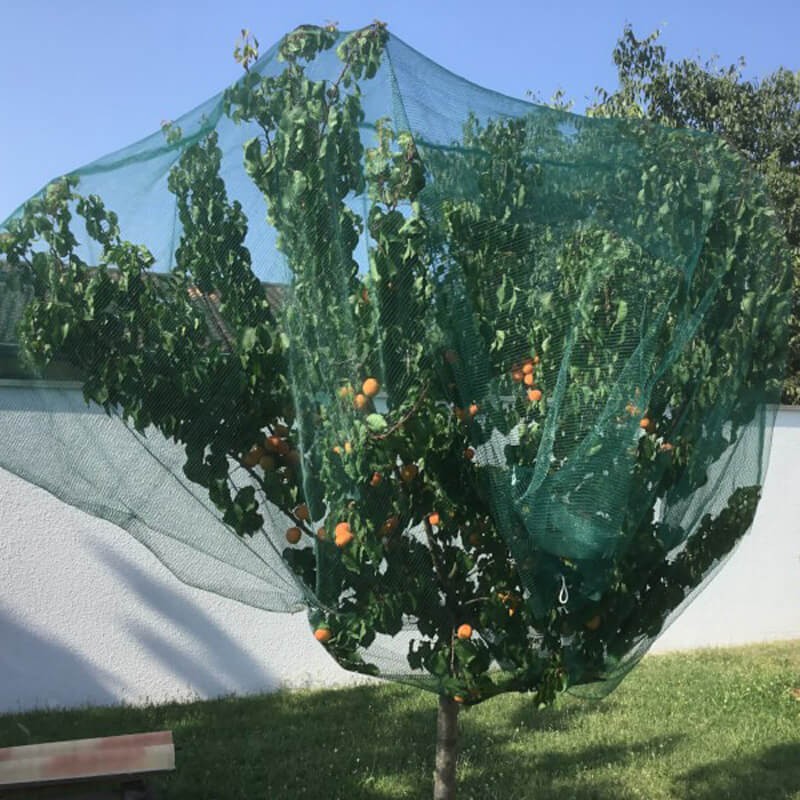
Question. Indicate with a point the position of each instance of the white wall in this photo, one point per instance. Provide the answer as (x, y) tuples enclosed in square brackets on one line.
[(88, 615), (756, 595)]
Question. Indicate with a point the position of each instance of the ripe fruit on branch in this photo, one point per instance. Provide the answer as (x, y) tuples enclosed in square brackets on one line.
[(361, 401), (371, 387), (277, 445), (323, 635), (469, 453), (293, 535), (342, 534), (433, 518), (535, 395), (517, 375), (474, 409), (322, 534), (464, 631), (253, 457), (302, 513), (376, 479), (528, 379)]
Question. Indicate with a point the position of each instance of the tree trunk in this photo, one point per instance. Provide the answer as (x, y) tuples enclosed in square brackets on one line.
[(444, 783)]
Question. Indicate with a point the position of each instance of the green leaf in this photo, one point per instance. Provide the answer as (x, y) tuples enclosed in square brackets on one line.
[(622, 314), (249, 339), (376, 423)]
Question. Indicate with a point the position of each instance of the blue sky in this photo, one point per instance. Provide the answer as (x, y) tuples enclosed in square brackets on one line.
[(82, 78)]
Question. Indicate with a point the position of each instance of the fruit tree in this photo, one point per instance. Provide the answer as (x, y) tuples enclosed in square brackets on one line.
[(510, 408)]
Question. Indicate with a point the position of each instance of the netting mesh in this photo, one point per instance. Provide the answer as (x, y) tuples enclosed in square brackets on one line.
[(486, 387)]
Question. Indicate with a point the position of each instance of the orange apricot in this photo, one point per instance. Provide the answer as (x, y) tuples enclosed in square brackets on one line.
[(342, 534), (253, 457), (371, 387), (464, 631), (534, 395), (293, 535)]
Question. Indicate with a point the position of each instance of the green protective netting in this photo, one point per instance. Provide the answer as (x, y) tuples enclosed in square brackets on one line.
[(485, 386)]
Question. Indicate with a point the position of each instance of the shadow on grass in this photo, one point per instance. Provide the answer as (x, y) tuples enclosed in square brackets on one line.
[(528, 765), (367, 743), (773, 773), (565, 716), (377, 743)]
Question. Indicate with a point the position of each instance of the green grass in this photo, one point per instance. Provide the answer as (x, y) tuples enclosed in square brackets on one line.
[(707, 725)]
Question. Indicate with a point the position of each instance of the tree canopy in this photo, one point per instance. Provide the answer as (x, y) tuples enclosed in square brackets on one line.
[(512, 409), (759, 118)]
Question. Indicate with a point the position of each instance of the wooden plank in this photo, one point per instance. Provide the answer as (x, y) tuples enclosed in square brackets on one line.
[(108, 757)]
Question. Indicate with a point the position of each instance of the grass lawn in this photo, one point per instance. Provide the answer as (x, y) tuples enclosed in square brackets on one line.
[(706, 725)]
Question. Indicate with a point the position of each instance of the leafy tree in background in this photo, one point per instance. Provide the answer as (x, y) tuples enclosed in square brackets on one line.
[(760, 118), (516, 325)]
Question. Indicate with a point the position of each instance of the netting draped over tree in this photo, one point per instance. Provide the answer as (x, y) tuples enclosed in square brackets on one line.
[(488, 387)]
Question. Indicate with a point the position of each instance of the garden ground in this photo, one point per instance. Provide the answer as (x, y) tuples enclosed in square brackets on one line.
[(704, 725)]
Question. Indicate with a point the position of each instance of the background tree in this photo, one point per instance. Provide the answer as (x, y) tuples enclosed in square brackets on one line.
[(760, 118), (502, 447)]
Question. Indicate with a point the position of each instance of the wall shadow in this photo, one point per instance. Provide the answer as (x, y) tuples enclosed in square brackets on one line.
[(36, 672), (213, 662)]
